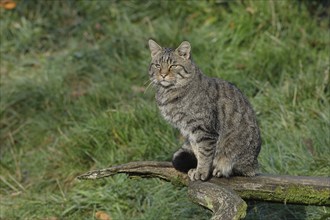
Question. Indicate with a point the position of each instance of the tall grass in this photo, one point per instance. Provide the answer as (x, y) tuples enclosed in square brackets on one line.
[(74, 97)]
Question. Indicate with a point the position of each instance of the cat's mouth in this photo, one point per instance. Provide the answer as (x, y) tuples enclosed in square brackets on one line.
[(165, 83)]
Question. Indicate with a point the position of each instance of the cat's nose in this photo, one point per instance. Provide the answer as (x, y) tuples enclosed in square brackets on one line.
[(163, 75)]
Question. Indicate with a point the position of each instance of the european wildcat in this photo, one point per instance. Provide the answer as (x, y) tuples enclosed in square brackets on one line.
[(218, 122)]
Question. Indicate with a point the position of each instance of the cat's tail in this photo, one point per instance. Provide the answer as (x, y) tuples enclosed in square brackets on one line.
[(183, 160)]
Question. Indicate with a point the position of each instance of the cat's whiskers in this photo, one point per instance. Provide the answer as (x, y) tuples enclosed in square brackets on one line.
[(145, 83), (150, 83)]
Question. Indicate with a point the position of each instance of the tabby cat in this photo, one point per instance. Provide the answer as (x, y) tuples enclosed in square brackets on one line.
[(216, 119)]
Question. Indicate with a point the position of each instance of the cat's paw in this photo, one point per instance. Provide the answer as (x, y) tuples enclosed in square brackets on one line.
[(198, 174), (222, 168), (221, 172), (218, 173)]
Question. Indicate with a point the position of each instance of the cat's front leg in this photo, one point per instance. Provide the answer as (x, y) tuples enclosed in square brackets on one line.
[(204, 149)]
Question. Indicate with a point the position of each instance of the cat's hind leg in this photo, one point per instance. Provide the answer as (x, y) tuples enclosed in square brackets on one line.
[(184, 159), (223, 161), (246, 168)]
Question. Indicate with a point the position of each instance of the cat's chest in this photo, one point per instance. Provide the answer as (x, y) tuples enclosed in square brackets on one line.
[(178, 109), (175, 112), (175, 109)]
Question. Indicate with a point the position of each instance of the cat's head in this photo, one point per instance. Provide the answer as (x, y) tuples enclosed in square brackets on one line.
[(170, 67)]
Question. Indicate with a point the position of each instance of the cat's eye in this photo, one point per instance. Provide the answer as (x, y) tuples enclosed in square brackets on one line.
[(157, 65), (173, 66)]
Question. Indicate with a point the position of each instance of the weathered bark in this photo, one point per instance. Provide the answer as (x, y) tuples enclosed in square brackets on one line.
[(162, 170), (222, 201), (274, 188)]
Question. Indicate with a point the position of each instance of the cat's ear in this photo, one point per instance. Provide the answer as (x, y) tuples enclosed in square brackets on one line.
[(154, 48), (184, 50)]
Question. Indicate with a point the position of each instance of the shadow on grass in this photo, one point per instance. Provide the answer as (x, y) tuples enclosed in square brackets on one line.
[(275, 211)]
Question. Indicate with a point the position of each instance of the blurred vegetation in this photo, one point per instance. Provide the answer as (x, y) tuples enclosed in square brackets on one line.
[(74, 98)]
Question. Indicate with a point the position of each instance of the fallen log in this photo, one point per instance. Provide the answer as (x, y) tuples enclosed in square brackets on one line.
[(302, 190), (224, 196)]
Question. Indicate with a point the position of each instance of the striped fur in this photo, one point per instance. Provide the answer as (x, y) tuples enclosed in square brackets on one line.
[(213, 115)]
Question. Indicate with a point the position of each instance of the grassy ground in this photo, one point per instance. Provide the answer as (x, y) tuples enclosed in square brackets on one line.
[(74, 98)]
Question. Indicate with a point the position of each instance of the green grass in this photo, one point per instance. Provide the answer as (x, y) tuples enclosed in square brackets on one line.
[(74, 98)]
